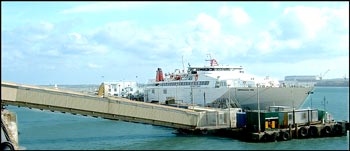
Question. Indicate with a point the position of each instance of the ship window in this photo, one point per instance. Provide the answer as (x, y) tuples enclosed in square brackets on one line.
[(109, 90), (223, 83), (152, 91), (115, 89), (290, 117), (165, 91)]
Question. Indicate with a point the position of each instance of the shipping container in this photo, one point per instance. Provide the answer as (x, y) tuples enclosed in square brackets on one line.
[(241, 119), (303, 116), (283, 119), (267, 120)]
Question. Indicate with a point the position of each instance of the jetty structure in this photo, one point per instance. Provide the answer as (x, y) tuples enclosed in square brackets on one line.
[(277, 123)]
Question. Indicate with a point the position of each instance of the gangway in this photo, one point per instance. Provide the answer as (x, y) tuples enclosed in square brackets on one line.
[(113, 108)]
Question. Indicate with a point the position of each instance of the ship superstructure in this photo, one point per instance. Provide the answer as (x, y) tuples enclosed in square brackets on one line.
[(221, 86)]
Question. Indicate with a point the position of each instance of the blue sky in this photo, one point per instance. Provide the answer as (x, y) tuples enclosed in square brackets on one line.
[(79, 42)]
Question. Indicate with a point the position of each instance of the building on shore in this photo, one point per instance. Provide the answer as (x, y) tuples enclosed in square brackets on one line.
[(299, 81), (310, 80), (122, 89)]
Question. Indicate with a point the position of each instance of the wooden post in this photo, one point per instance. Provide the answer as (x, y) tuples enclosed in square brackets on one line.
[(290, 130), (296, 131)]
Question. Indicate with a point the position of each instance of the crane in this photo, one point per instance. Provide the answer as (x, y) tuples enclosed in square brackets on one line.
[(322, 75)]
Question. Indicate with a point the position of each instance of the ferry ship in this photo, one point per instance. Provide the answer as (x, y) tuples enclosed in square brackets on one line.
[(222, 87)]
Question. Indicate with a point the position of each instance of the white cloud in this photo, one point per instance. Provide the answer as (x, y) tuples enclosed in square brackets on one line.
[(46, 26), (94, 66), (53, 53), (103, 6), (236, 14), (77, 38), (236, 46), (312, 20), (298, 39), (305, 32), (276, 5), (343, 15), (265, 45), (49, 67), (309, 22), (207, 24)]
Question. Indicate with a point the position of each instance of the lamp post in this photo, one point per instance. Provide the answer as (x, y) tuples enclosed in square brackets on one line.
[(324, 103), (192, 98), (257, 89), (310, 92), (229, 95), (204, 99), (158, 94), (129, 94), (119, 90), (176, 95)]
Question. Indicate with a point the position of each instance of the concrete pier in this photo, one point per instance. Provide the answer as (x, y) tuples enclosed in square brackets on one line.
[(9, 121)]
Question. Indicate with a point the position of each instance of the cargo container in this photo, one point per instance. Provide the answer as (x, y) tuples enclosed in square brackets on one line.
[(303, 116), (268, 120), (241, 119)]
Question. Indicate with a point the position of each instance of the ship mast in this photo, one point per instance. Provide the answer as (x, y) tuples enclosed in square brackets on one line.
[(213, 62), (183, 65)]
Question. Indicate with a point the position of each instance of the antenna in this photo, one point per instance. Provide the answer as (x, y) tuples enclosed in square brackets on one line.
[(257, 89), (213, 62), (183, 65), (209, 55), (324, 103)]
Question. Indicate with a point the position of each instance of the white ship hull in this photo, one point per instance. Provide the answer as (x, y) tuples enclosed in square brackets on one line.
[(289, 96), (243, 97)]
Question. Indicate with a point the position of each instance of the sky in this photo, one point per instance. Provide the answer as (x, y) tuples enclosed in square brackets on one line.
[(90, 42)]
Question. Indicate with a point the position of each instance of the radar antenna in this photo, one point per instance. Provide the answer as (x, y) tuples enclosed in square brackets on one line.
[(213, 62)]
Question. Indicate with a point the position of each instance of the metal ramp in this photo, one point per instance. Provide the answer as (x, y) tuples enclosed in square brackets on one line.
[(109, 108)]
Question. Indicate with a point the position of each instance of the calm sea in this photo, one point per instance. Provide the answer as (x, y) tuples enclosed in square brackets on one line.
[(39, 130)]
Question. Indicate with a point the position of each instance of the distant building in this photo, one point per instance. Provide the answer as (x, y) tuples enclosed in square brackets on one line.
[(339, 82), (300, 81), (122, 89)]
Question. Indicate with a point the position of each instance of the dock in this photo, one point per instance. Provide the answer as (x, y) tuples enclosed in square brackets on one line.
[(229, 122)]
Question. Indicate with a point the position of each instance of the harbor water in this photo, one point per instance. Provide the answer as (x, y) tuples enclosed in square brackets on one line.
[(39, 130)]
